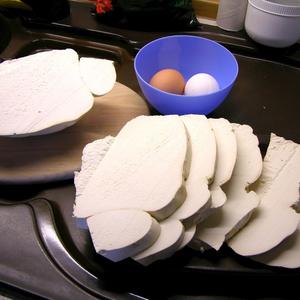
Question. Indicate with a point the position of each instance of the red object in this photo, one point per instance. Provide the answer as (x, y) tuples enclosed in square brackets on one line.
[(103, 6)]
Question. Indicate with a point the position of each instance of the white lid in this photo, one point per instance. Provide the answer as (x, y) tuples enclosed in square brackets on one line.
[(290, 8)]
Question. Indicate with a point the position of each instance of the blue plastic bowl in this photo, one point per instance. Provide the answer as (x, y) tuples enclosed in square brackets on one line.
[(189, 55)]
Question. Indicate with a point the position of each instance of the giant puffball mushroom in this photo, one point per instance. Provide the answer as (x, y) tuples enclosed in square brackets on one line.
[(52, 94)]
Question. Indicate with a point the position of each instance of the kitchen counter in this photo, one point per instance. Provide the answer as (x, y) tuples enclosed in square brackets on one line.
[(44, 254)]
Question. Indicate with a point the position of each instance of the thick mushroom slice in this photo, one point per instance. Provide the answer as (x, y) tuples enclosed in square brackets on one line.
[(226, 158), (189, 234), (240, 203), (119, 234), (143, 169), (92, 155), (170, 238), (200, 168), (98, 74), (285, 255), (278, 189)]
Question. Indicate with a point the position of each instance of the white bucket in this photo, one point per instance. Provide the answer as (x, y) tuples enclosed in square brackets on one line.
[(273, 23)]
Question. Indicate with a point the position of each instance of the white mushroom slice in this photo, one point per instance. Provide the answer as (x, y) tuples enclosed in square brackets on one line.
[(143, 169), (286, 254), (98, 74), (278, 189), (226, 158), (92, 155), (189, 234), (202, 157), (119, 234), (42, 93), (240, 203), (171, 236)]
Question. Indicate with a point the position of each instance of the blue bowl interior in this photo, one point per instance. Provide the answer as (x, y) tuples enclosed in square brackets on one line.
[(189, 55)]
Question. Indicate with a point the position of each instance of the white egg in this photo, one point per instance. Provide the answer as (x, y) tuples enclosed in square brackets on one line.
[(201, 84)]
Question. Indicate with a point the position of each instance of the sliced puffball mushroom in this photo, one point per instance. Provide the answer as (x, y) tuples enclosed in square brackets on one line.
[(240, 203), (92, 155), (119, 234), (189, 234), (142, 169), (201, 165), (271, 236), (98, 74), (171, 236), (278, 189), (286, 254), (226, 158), (42, 93)]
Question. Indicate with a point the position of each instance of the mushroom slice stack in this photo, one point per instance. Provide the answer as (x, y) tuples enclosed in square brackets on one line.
[(222, 224)]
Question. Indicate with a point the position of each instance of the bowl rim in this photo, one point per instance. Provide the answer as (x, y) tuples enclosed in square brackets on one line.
[(274, 8), (193, 37)]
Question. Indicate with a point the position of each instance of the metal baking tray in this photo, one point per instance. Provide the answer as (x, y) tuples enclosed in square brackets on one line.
[(42, 251)]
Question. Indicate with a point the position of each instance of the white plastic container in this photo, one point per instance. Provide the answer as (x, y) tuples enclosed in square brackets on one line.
[(274, 23), (231, 14)]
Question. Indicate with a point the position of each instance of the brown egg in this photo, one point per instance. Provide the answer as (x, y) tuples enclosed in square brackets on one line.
[(168, 80)]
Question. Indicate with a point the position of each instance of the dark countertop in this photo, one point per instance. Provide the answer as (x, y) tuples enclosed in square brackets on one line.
[(44, 254)]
